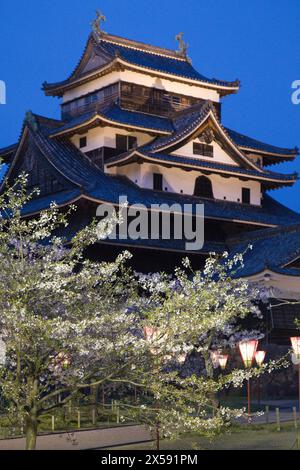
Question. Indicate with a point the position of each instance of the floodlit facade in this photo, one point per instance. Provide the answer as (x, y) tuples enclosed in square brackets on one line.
[(139, 121)]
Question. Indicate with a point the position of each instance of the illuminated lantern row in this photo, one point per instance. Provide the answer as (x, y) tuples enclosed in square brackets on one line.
[(248, 350)]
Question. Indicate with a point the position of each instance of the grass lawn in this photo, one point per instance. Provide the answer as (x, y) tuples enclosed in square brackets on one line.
[(241, 438)]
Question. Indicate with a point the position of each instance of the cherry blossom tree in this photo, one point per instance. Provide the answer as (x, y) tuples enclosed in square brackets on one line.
[(193, 314), (68, 324), (64, 323)]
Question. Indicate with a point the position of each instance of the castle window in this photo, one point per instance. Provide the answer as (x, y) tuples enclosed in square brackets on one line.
[(203, 149), (157, 182), (125, 142), (246, 196), (132, 142), (203, 187), (82, 142)]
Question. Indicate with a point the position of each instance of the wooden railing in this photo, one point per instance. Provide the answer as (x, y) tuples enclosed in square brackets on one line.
[(100, 106)]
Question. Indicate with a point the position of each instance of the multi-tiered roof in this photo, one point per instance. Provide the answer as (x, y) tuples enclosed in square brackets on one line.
[(70, 175)]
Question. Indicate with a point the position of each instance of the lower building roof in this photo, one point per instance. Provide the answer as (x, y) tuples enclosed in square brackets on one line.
[(272, 249), (90, 183), (249, 143)]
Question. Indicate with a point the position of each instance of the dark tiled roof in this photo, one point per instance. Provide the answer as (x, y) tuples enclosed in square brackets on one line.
[(7, 150), (122, 116), (190, 121), (270, 213), (176, 127), (184, 124), (41, 203), (74, 122), (200, 163), (139, 119), (272, 249), (247, 142), (90, 181), (160, 62)]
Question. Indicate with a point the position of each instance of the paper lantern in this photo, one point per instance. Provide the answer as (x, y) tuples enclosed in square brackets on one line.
[(223, 359), (248, 350), (260, 357), (296, 346)]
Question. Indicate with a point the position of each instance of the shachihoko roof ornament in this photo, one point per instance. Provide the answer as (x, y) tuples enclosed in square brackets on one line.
[(183, 47), (96, 25)]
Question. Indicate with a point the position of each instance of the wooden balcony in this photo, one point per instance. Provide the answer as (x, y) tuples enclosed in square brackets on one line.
[(131, 97)]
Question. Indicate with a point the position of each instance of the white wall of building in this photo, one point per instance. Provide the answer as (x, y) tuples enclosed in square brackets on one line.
[(179, 181), (220, 155), (106, 137), (285, 287), (145, 80)]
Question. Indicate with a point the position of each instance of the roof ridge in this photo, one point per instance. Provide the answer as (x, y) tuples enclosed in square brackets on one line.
[(139, 45)]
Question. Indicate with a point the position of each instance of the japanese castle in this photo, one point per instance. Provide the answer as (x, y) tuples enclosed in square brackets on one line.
[(138, 120)]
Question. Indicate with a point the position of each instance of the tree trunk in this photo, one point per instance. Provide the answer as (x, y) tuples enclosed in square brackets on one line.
[(94, 398), (210, 373), (31, 427)]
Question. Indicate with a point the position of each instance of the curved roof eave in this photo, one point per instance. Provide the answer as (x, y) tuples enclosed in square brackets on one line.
[(102, 118), (57, 89), (286, 179)]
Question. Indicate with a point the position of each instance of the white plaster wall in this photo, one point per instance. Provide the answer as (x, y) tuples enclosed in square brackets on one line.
[(142, 79), (220, 155), (289, 286), (106, 137), (183, 182)]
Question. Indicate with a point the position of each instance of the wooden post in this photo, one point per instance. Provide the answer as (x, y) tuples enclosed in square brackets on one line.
[(267, 414), (118, 414), (295, 417), (278, 419), (94, 416), (249, 399), (79, 419), (53, 423)]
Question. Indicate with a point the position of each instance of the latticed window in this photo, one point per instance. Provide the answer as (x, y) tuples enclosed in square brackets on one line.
[(203, 187), (125, 142), (203, 149)]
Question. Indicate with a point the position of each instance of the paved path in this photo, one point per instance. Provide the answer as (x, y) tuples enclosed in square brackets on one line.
[(84, 440)]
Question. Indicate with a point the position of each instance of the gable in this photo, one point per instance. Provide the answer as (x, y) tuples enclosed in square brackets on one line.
[(205, 125), (94, 61), (194, 147), (40, 173)]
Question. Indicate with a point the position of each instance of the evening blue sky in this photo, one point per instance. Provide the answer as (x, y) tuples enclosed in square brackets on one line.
[(257, 42)]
